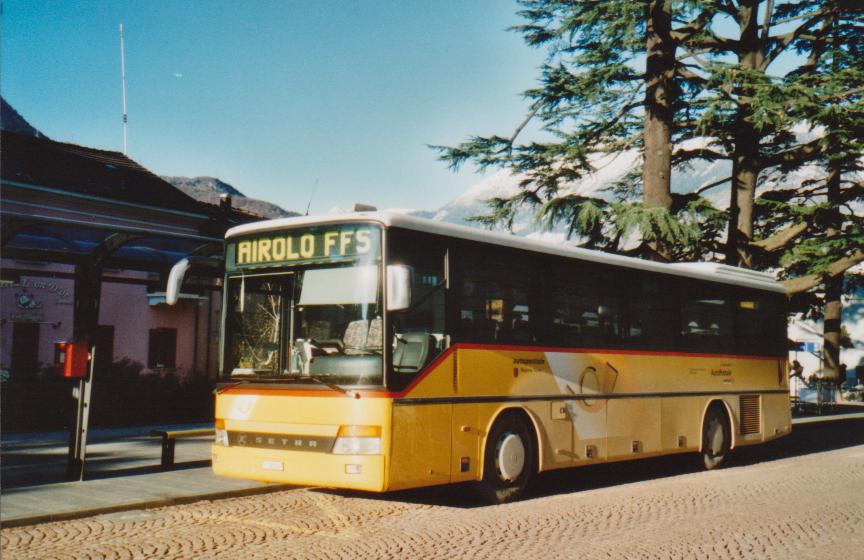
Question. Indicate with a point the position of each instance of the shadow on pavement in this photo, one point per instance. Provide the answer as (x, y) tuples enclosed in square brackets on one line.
[(33, 464), (805, 439)]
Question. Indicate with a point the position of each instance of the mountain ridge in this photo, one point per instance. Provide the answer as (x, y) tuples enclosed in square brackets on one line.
[(209, 190), (12, 121)]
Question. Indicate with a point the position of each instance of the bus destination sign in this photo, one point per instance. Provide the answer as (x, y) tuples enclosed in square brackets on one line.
[(338, 242)]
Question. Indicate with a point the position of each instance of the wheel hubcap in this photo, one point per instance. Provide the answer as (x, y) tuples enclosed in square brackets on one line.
[(510, 458)]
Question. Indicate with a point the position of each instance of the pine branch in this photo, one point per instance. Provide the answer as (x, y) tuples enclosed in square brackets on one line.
[(694, 26), (710, 186), (797, 155), (695, 56), (725, 6), (781, 21), (781, 240), (716, 43), (766, 23), (835, 270), (847, 93), (698, 153), (682, 72), (521, 126), (786, 39)]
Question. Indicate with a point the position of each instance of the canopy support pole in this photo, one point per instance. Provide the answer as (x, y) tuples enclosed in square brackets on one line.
[(88, 291)]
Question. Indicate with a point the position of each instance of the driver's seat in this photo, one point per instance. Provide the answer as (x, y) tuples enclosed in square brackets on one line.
[(412, 351)]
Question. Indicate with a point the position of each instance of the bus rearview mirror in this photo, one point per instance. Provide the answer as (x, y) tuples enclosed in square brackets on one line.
[(175, 281), (179, 270), (399, 280)]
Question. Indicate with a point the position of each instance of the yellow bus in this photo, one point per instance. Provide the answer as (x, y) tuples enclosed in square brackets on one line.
[(379, 351)]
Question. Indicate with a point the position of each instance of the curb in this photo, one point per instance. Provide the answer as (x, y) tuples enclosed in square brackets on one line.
[(830, 418), (149, 504)]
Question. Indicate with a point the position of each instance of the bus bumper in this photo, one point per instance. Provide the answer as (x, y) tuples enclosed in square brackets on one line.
[(358, 472)]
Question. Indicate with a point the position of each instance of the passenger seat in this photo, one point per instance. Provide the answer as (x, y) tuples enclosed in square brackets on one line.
[(412, 351)]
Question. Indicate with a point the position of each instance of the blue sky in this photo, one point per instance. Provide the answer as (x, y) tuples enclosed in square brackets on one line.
[(272, 96)]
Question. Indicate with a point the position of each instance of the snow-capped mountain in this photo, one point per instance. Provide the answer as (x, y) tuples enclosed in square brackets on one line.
[(609, 169)]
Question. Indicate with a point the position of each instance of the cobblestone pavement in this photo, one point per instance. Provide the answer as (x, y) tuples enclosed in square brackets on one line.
[(809, 506)]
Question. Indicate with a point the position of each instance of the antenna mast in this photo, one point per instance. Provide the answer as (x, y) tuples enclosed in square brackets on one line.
[(314, 188), (123, 84)]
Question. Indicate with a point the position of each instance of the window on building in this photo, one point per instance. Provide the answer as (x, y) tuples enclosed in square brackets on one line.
[(25, 351), (163, 348)]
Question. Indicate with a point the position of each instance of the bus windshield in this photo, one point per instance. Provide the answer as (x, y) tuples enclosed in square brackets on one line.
[(323, 323)]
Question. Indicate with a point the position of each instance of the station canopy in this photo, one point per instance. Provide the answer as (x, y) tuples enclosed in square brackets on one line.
[(69, 204)]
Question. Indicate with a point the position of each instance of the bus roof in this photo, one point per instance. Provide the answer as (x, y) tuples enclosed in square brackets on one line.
[(702, 270)]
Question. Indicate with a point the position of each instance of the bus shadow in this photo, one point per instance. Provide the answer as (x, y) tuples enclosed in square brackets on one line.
[(805, 439)]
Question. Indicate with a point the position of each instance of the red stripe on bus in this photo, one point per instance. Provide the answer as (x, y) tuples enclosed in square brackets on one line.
[(506, 348), (501, 348), (426, 371)]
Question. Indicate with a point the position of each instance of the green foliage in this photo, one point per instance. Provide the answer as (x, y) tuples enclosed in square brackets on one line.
[(584, 216), (728, 98), (830, 98), (845, 338)]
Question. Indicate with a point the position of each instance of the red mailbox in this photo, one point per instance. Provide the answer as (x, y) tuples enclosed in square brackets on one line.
[(71, 358)]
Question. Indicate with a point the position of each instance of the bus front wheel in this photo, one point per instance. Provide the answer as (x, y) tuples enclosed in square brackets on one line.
[(716, 437), (508, 461)]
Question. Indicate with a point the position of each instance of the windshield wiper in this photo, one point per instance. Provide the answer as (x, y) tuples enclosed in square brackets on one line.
[(333, 386)]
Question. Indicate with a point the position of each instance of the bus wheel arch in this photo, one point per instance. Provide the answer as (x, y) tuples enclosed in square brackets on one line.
[(510, 456), (716, 434)]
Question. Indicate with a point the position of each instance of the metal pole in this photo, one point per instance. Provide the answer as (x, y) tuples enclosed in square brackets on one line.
[(78, 449), (74, 465), (123, 86), (88, 284)]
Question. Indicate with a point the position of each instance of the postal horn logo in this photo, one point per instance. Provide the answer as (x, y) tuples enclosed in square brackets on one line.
[(27, 301)]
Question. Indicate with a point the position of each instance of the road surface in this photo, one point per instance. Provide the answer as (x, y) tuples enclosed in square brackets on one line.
[(801, 497)]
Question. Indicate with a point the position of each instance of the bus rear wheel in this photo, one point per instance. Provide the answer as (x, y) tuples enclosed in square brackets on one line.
[(508, 461), (716, 437)]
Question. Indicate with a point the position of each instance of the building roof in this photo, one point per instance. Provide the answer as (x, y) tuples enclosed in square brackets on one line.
[(702, 270), (44, 163)]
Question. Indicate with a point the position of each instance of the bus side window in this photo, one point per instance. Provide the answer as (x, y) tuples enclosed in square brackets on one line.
[(586, 308), (652, 313), (707, 323), (497, 299), (755, 316), (417, 334)]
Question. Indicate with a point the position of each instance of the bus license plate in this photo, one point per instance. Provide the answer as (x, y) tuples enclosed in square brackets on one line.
[(273, 465)]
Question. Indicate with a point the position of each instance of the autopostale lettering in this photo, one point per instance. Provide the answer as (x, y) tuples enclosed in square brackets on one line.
[(306, 246)]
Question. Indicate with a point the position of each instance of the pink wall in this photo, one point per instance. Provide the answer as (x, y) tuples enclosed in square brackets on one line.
[(36, 299), (124, 305)]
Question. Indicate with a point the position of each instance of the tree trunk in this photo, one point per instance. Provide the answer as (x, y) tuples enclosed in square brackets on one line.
[(659, 70), (833, 286), (831, 328), (745, 157), (744, 177)]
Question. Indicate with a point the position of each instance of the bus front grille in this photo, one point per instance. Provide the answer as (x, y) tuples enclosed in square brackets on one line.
[(751, 413)]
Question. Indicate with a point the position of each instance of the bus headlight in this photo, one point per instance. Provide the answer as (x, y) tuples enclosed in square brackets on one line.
[(221, 435), (358, 440)]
